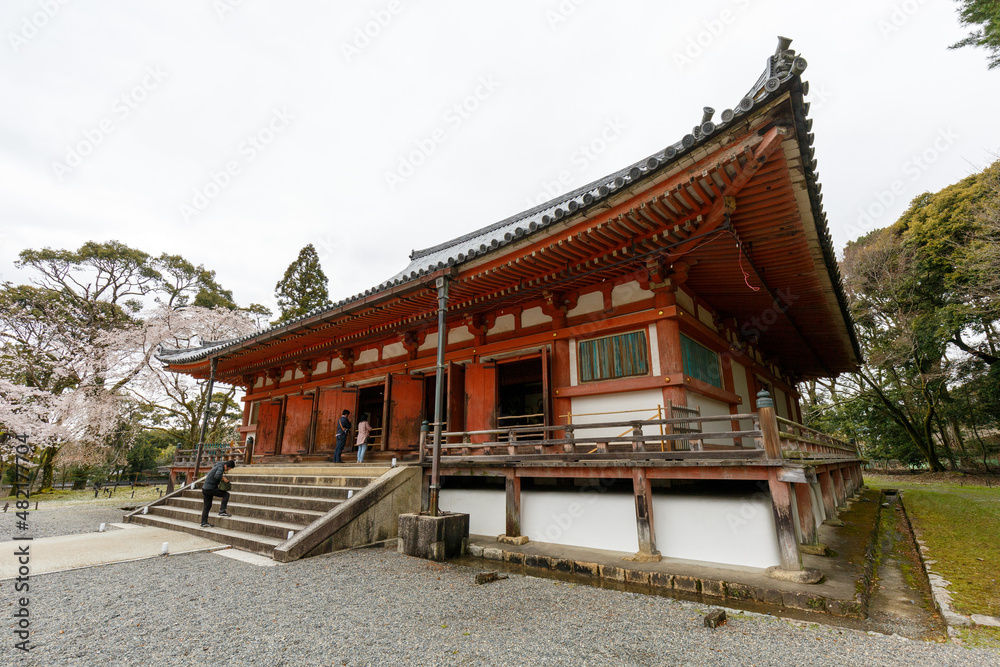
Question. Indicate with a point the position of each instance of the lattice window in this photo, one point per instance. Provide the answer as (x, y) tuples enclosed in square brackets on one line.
[(701, 362), (624, 355)]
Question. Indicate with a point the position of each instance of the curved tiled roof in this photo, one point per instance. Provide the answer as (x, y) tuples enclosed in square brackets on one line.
[(782, 68)]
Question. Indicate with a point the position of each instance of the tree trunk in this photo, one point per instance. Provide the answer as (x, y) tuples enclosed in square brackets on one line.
[(46, 463)]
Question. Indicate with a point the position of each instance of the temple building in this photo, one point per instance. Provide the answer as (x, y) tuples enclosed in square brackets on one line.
[(610, 356)]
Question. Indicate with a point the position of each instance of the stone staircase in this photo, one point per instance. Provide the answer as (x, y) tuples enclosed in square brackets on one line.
[(266, 502)]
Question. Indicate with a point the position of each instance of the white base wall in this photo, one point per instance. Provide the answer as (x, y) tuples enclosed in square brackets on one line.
[(725, 529)]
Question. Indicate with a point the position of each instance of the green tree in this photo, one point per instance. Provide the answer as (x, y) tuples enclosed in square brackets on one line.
[(302, 288), (984, 17)]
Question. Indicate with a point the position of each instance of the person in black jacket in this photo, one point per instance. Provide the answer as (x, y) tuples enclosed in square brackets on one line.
[(210, 489), (343, 428)]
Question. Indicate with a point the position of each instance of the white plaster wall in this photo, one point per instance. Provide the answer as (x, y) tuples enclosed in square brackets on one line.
[(268, 381), (259, 382), (299, 374), (287, 376), (709, 408), (780, 404), (654, 349), (337, 364), (393, 350), (629, 293), (740, 384), (430, 343), (486, 508), (620, 404), (367, 357), (705, 316), (322, 367), (574, 375), (685, 301), (459, 335), (587, 303), (503, 324), (533, 317), (732, 530), (584, 518)]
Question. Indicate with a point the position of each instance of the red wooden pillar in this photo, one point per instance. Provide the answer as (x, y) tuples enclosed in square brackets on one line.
[(781, 503), (845, 472), (807, 522), (829, 495), (560, 378), (513, 504), (644, 513), (838, 487)]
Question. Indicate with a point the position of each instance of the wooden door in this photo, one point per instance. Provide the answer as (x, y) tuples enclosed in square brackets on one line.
[(267, 428), (332, 402), (455, 419), (404, 404), (480, 399), (298, 419)]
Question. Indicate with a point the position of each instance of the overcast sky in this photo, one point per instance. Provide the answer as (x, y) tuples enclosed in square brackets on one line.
[(234, 132)]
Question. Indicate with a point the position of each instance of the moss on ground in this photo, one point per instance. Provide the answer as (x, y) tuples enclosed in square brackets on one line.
[(958, 523), (980, 636)]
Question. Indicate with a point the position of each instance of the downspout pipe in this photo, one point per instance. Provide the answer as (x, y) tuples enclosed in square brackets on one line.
[(204, 418), (435, 489)]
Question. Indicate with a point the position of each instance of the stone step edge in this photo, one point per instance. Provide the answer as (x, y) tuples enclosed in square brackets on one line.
[(221, 532), (296, 527), (233, 493), (664, 581), (314, 513)]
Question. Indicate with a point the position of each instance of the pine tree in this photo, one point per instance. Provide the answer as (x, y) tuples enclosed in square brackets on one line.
[(302, 288), (984, 17)]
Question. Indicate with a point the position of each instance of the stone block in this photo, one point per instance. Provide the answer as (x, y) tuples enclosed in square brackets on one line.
[(476, 551), (715, 618), (515, 557), (561, 564), (713, 587), (661, 580), (433, 537), (520, 540), (612, 572), (687, 584), (587, 569), (741, 592), (536, 560), (637, 577), (492, 553)]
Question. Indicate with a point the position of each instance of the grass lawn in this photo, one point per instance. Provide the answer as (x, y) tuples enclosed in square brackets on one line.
[(85, 497), (960, 524)]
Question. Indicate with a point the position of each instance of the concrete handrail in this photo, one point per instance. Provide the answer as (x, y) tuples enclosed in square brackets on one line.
[(313, 535)]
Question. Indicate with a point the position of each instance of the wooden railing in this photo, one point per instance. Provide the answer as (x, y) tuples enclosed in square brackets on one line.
[(210, 455), (775, 438), (798, 441)]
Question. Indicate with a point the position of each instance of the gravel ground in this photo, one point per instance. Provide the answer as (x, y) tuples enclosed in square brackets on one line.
[(66, 520), (375, 607)]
